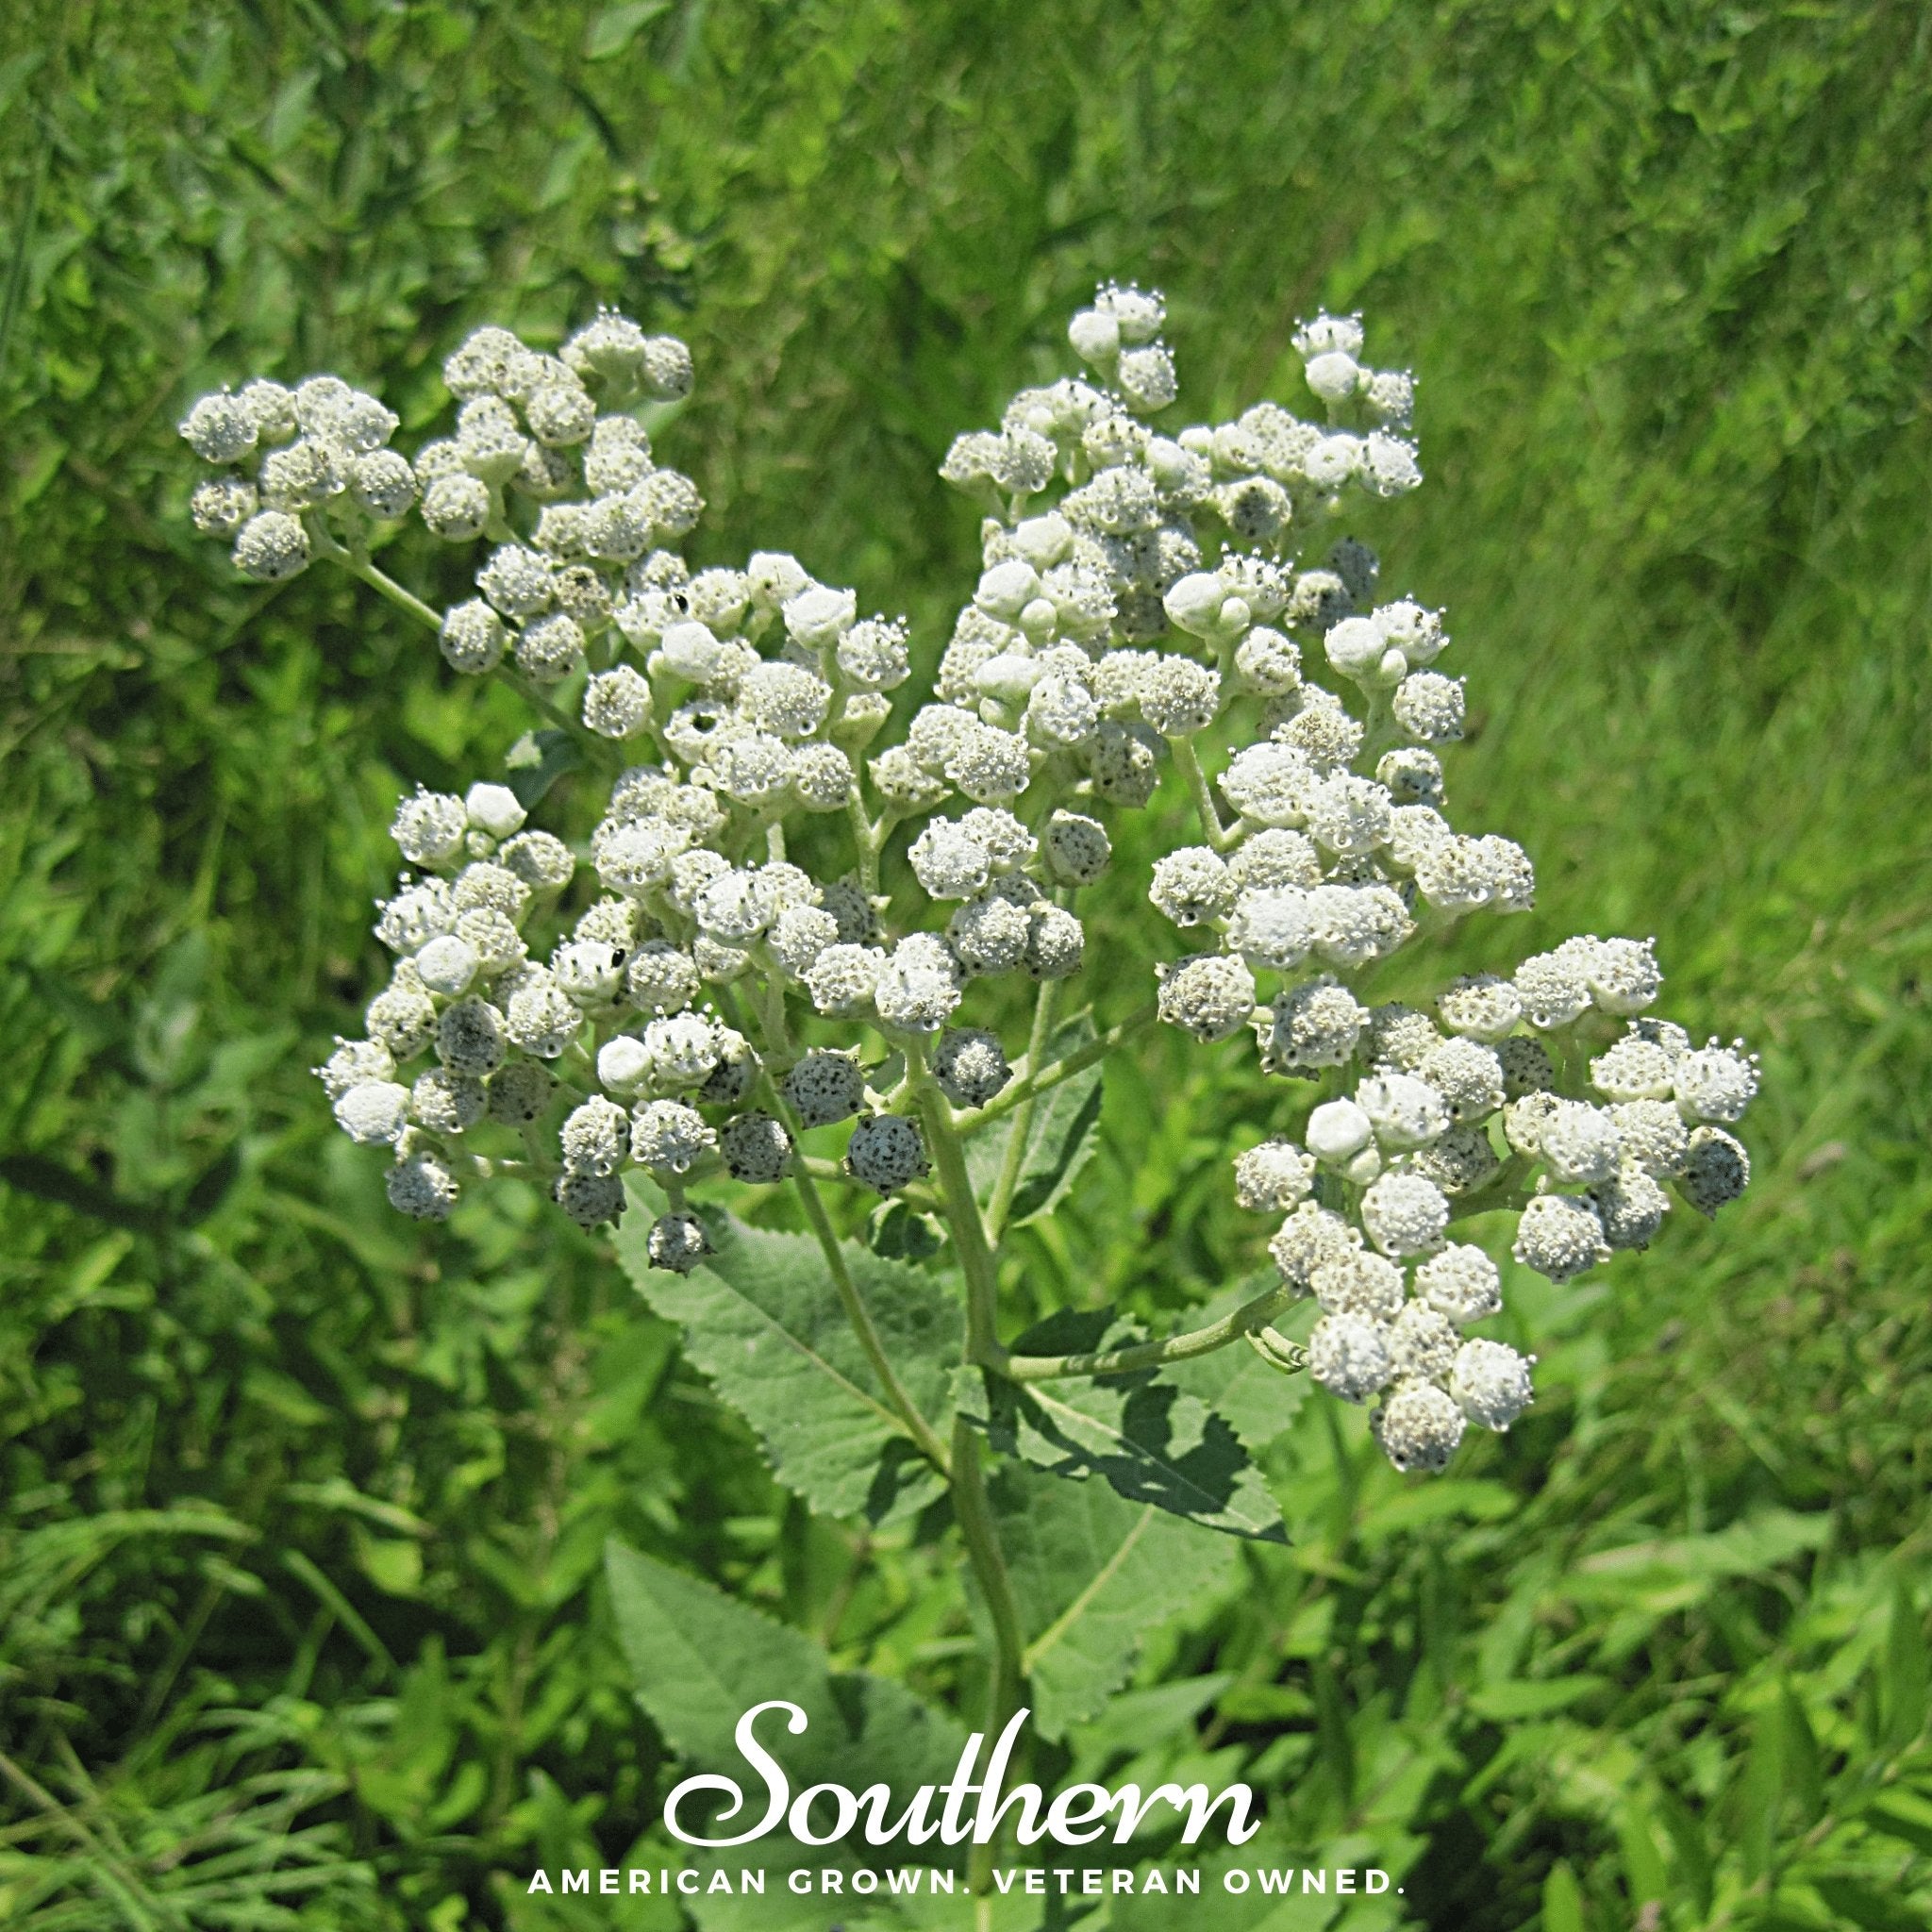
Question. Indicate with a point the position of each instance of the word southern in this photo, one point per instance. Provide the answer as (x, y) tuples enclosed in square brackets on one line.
[(969, 1807)]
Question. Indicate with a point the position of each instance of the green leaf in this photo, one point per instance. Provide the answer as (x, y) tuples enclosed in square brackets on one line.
[(1906, 1815), (1689, 1844), (1092, 1573), (1532, 1697), (699, 1659), (1257, 1401), (896, 1231), (537, 760), (1061, 1136), (1760, 1793), (1904, 1680), (1856, 1903), (1562, 1901), (1645, 1872), (33, 1174), (1407, 1510), (1804, 1766), (763, 1321), (614, 29), (1152, 1442)]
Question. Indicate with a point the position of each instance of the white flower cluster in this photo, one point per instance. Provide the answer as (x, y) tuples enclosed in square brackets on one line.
[(1466, 1114), (708, 999), (289, 461)]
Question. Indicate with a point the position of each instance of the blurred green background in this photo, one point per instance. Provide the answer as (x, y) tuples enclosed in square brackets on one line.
[(300, 1617)]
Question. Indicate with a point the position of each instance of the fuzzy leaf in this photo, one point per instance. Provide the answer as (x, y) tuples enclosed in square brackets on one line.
[(1150, 1440), (699, 1661), (763, 1321), (1092, 1573), (1259, 1402)]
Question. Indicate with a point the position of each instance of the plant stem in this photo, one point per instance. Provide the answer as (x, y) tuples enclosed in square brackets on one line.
[(1010, 1162), (973, 1513), (850, 1299), (381, 581), (830, 1170), (962, 1211), (865, 842), (1244, 1321), (405, 599), (1503, 1188), (856, 1313), (969, 1504), (1037, 1080), (1189, 763)]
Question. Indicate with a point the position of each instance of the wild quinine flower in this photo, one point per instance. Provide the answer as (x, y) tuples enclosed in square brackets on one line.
[(671, 993)]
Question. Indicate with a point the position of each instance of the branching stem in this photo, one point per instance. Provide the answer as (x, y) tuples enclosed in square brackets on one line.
[(1244, 1321), (850, 1299), (1188, 761), (1037, 1080)]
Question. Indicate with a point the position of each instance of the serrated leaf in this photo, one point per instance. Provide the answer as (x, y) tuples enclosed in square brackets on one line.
[(1061, 1136), (537, 760), (615, 28), (763, 1321), (1092, 1573), (1147, 1436), (699, 1661)]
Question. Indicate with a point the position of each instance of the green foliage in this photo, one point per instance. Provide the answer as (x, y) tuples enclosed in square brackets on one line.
[(763, 1320), (1062, 1135), (1142, 1433), (304, 1511), (1093, 1572)]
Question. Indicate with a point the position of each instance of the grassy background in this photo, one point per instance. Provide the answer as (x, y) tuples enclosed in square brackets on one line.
[(302, 1508)]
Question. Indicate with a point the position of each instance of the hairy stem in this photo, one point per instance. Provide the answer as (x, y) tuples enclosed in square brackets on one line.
[(962, 1214), (850, 1299), (405, 599), (830, 1170), (1245, 1319), (1187, 762), (859, 1317), (973, 1513), (865, 843), (1045, 1006)]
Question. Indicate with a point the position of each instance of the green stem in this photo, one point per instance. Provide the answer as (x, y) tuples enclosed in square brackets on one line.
[(1244, 1321), (1503, 1188), (1189, 763), (969, 1504), (1015, 1154), (849, 1298), (1038, 1080), (861, 1318), (913, 1193), (405, 599), (865, 843), (962, 1211), (973, 1513)]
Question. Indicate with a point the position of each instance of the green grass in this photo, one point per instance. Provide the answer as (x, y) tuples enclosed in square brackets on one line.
[(303, 1510)]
